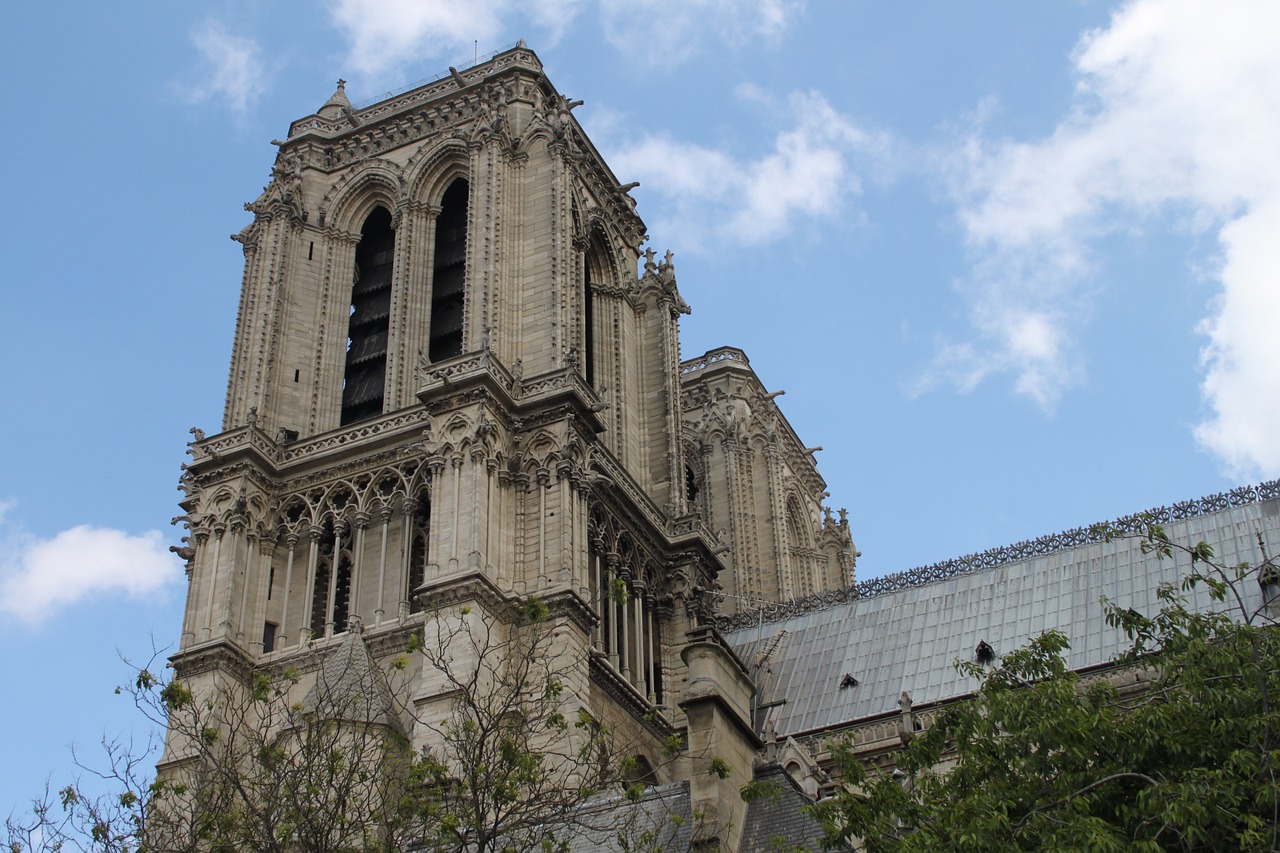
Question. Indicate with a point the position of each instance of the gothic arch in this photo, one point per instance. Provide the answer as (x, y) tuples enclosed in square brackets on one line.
[(454, 435), (542, 450), (374, 182), (799, 525), (431, 172)]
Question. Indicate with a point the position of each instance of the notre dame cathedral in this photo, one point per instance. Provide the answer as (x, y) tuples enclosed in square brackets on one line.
[(457, 380)]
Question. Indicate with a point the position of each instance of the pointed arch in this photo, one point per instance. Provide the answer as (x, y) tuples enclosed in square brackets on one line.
[(349, 202), (419, 530), (799, 531), (597, 273)]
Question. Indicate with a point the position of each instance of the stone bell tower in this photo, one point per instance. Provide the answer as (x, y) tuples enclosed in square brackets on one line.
[(453, 381)]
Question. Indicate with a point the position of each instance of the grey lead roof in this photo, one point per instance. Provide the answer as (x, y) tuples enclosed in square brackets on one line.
[(349, 686), (907, 640), (661, 819)]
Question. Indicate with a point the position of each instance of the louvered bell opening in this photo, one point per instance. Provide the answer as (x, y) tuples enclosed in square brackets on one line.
[(363, 390), (367, 349), (371, 311), (367, 329), (449, 275)]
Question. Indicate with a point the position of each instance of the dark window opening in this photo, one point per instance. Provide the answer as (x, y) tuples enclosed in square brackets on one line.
[(269, 637), (848, 681), (418, 554), (690, 484), (589, 322), (342, 594), (311, 251), (640, 771), (271, 581), (984, 653), (362, 388), (449, 273), (320, 598), (604, 580), (656, 671)]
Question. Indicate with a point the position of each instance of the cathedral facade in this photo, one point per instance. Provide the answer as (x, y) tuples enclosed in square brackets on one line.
[(457, 382)]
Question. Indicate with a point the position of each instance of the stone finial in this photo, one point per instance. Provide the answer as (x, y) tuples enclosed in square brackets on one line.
[(337, 104), (339, 97), (667, 267)]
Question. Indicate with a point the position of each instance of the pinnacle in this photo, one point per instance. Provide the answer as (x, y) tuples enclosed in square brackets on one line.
[(339, 97)]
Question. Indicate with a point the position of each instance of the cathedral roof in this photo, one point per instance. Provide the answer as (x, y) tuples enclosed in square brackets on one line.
[(835, 664), (350, 687), (777, 819)]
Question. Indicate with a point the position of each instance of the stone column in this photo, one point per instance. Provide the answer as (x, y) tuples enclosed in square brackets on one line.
[(291, 540)]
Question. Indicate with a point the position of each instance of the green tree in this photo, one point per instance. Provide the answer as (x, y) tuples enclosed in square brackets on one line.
[(1041, 758), (274, 760)]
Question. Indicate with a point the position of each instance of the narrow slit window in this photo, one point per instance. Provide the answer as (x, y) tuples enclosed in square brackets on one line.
[(320, 598), (589, 322), (449, 273), (418, 553), (342, 594), (362, 387)]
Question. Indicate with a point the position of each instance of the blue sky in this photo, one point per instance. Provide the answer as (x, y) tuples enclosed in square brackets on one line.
[(1015, 264)]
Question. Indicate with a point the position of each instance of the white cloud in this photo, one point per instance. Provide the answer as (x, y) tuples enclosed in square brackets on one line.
[(712, 194), (39, 577), (1174, 116), (667, 31), (233, 69), (384, 35)]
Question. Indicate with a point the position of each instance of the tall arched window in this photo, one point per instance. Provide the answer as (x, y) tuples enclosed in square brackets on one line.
[(595, 273), (449, 274), (419, 541), (342, 593), (589, 319), (320, 595), (362, 387)]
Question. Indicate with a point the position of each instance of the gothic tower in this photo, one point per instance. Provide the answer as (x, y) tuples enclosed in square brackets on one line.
[(454, 382)]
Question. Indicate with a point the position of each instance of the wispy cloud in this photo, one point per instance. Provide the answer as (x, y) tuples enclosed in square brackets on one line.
[(41, 577), (1174, 116), (231, 71), (384, 35), (666, 31), (710, 194)]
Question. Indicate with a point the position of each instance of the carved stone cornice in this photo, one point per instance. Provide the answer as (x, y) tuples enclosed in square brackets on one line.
[(473, 586), (434, 108), (620, 690), (221, 654), (567, 604)]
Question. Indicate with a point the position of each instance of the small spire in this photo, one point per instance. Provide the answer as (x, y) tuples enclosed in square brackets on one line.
[(339, 97)]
